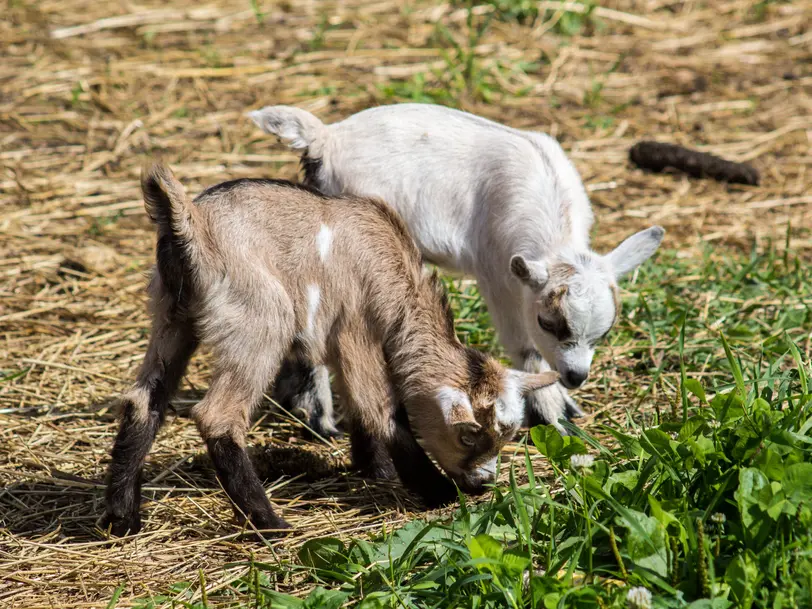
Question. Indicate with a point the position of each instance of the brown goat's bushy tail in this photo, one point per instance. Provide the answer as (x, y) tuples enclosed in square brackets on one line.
[(166, 202), (174, 213), (181, 251)]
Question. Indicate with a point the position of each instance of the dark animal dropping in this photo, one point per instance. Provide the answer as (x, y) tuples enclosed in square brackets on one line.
[(657, 156)]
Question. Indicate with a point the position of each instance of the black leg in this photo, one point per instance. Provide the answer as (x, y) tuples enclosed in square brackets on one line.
[(369, 456), (131, 446), (241, 483), (171, 345), (416, 471)]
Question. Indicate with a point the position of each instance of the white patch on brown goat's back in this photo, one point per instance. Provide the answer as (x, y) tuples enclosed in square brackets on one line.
[(323, 241)]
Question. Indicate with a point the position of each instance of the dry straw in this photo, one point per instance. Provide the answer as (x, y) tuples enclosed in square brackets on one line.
[(87, 89)]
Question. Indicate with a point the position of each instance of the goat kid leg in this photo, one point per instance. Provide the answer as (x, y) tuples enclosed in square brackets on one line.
[(547, 406), (363, 383), (171, 345), (304, 388), (370, 455), (223, 417), (416, 471), (544, 406)]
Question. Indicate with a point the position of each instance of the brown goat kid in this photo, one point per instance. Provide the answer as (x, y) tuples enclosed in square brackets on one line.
[(260, 269)]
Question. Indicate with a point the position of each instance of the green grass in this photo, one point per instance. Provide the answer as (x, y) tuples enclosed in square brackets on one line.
[(464, 77), (706, 501), (561, 22)]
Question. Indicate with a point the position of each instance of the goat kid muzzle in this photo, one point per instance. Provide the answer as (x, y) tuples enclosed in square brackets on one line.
[(473, 482)]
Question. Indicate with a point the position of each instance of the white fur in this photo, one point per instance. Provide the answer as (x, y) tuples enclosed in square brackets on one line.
[(510, 408), (323, 241), (475, 193), (139, 397), (313, 298), (448, 397), (488, 470)]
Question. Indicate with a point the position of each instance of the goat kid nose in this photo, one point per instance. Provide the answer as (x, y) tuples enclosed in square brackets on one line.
[(575, 378)]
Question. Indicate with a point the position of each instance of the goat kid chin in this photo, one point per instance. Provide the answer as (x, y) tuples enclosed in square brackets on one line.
[(261, 270), (503, 205)]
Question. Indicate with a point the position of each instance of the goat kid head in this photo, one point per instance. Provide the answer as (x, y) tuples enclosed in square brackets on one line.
[(464, 427), (571, 302)]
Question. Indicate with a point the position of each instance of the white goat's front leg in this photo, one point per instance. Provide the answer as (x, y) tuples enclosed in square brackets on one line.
[(546, 406), (543, 406), (304, 389)]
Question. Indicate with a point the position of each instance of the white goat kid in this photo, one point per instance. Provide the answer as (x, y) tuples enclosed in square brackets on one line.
[(504, 205)]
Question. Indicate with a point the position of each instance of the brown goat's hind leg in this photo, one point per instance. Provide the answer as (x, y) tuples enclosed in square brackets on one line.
[(242, 485), (144, 408), (223, 417), (416, 471)]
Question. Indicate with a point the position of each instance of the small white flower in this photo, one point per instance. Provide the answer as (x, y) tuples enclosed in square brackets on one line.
[(638, 598), (581, 461), (718, 518)]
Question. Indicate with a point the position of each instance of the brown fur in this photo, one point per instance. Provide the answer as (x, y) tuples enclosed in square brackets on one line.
[(265, 268)]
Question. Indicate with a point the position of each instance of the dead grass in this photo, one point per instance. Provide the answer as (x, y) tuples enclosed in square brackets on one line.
[(88, 89)]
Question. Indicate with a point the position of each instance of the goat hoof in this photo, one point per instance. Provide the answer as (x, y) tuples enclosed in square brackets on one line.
[(273, 527), (547, 406), (269, 524), (317, 429), (121, 526)]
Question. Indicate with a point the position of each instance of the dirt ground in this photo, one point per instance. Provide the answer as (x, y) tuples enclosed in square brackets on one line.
[(88, 90)]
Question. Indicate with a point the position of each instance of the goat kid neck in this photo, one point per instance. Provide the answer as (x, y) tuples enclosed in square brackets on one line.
[(423, 352)]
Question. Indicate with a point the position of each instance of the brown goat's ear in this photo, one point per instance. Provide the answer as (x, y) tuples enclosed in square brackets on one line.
[(531, 382), (456, 407)]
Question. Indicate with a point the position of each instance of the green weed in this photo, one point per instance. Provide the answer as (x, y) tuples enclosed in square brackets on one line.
[(714, 508), (564, 22), (463, 72), (418, 89), (318, 41), (99, 225), (259, 14), (705, 505)]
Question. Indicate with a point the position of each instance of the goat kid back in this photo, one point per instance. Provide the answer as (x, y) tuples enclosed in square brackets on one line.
[(261, 270), (503, 205)]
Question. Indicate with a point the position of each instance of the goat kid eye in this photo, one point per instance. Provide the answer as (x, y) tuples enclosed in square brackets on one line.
[(467, 440), (545, 325)]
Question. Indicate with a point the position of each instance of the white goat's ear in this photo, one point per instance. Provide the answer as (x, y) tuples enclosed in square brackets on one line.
[(528, 381), (456, 407), (532, 273), (635, 250)]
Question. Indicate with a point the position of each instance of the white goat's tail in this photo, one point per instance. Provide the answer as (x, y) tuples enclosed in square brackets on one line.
[(299, 128)]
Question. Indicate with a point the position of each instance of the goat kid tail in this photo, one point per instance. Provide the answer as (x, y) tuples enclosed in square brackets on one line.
[(299, 128), (167, 203), (181, 238)]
